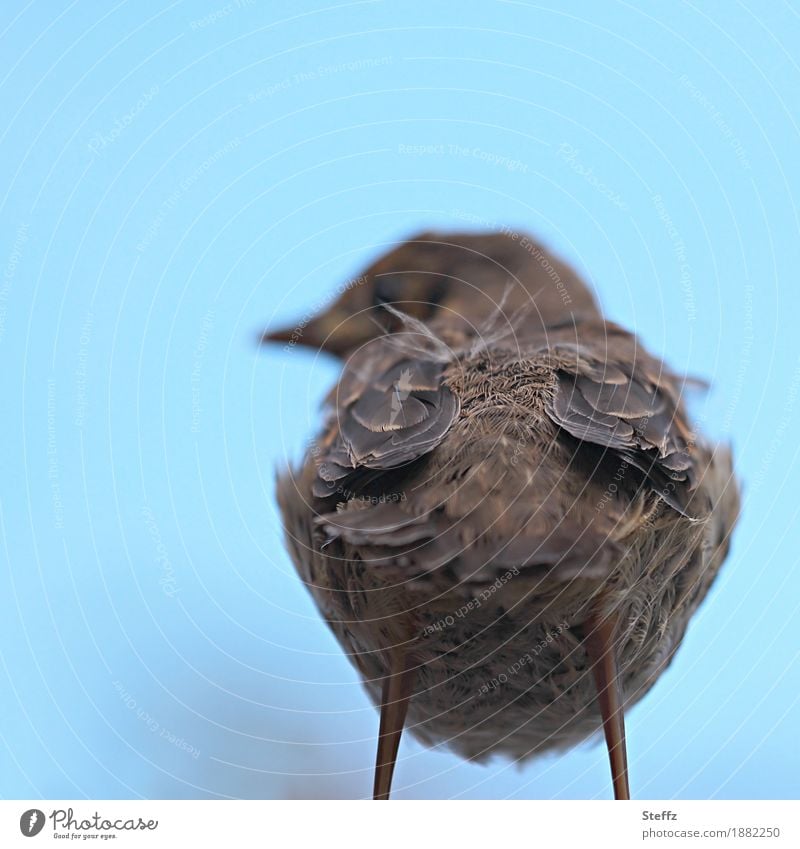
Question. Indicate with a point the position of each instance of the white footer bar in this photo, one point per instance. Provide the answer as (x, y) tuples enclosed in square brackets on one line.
[(404, 825)]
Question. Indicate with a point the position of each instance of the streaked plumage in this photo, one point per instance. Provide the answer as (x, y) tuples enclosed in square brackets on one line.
[(506, 493)]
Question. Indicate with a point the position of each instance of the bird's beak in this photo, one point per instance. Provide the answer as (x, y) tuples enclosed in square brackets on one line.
[(306, 334), (287, 335), (333, 331)]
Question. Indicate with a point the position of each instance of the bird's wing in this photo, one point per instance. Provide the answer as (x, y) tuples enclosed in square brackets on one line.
[(611, 393), (390, 408)]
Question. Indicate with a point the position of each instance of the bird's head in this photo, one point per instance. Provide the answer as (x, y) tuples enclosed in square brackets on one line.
[(360, 313), (464, 279)]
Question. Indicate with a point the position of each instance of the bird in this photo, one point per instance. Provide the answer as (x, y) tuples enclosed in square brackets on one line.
[(507, 518)]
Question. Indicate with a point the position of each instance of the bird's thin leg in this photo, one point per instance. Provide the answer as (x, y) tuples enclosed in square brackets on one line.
[(397, 687), (601, 651)]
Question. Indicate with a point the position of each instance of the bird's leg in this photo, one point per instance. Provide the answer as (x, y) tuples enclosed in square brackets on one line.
[(602, 655), (397, 687)]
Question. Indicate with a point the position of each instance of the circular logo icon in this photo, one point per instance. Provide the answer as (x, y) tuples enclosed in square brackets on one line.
[(31, 822)]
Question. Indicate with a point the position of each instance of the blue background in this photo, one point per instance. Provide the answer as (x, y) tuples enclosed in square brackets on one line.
[(174, 178)]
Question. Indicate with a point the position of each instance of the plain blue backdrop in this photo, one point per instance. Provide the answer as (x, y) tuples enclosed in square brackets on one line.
[(175, 177)]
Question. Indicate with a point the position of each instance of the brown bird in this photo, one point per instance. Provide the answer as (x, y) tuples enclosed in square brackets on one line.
[(507, 520)]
